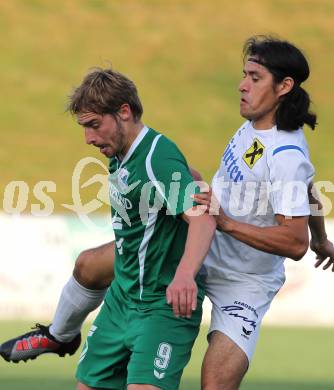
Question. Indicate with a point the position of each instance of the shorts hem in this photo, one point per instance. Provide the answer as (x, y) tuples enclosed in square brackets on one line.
[(144, 381)]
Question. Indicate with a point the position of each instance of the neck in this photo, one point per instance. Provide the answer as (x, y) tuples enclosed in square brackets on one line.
[(259, 125), (264, 123), (131, 133)]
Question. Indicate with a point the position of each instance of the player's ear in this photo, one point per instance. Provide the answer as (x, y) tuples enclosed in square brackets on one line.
[(285, 86), (125, 112)]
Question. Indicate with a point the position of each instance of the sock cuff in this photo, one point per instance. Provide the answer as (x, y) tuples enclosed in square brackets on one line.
[(89, 293)]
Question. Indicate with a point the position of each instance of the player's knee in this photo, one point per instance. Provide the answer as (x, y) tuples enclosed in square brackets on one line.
[(85, 272)]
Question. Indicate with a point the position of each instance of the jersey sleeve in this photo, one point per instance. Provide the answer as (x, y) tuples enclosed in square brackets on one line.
[(169, 171), (290, 174)]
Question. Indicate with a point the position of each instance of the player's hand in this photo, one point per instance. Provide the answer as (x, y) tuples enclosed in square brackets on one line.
[(182, 294), (324, 252), (207, 199), (212, 206)]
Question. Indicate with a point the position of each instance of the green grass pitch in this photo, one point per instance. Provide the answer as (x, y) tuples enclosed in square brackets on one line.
[(286, 358), (185, 57)]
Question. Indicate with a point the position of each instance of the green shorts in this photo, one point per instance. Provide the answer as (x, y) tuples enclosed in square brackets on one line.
[(141, 346)]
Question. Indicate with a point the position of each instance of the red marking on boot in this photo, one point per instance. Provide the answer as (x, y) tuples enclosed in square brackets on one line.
[(19, 346), (34, 342), (46, 343), (25, 345)]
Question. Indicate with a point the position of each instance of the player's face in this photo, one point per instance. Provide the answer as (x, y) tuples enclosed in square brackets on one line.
[(103, 132), (259, 97)]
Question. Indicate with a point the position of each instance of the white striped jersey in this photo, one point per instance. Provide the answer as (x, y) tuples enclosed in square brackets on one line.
[(149, 190), (262, 173)]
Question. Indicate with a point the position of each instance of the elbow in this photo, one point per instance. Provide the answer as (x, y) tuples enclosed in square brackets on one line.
[(299, 250), (298, 242)]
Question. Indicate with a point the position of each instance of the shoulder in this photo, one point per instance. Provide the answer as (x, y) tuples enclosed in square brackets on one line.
[(244, 126), (289, 157), (164, 148), (292, 143), (242, 130), (165, 160)]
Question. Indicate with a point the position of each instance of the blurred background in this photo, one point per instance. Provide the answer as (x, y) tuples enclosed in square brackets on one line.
[(186, 60)]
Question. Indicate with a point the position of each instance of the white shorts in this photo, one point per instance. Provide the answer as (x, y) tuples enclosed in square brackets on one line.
[(238, 306)]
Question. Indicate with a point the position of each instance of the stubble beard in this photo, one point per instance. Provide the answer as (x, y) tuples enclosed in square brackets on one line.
[(120, 142)]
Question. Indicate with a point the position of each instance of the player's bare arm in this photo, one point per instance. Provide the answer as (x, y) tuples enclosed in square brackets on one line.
[(289, 238), (182, 292), (319, 243)]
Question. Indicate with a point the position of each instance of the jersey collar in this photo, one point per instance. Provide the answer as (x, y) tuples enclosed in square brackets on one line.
[(134, 145), (264, 131)]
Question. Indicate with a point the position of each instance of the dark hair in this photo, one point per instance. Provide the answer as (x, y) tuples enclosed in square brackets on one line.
[(103, 91), (283, 59)]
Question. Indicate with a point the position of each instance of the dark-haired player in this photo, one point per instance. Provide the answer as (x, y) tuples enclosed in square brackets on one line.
[(262, 188)]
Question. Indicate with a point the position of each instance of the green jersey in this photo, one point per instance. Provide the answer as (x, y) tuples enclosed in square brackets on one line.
[(149, 190)]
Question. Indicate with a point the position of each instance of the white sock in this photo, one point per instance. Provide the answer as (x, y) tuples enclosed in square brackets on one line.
[(75, 303)]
